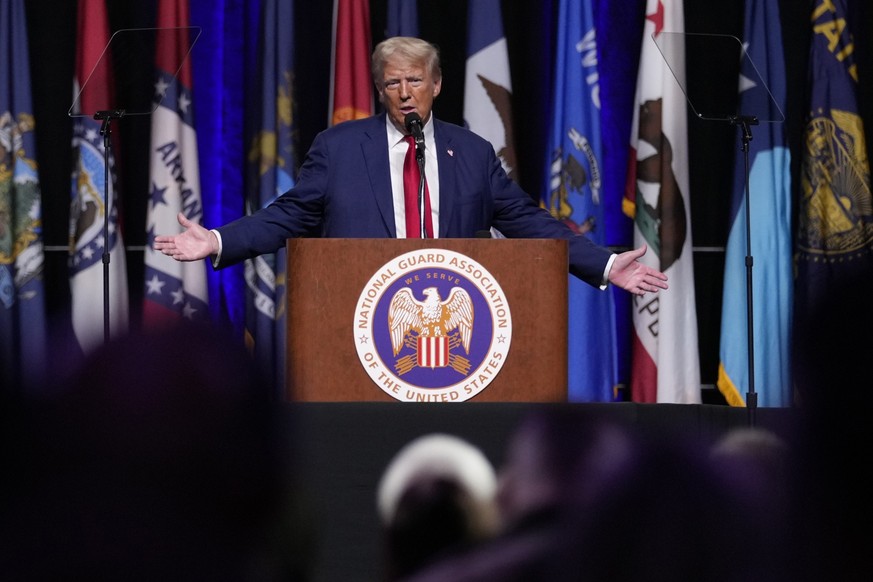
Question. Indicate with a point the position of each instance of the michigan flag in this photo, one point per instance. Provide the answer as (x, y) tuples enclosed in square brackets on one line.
[(487, 85), (271, 169), (22, 296), (91, 209), (574, 195), (665, 364), (173, 289), (835, 214), (351, 86), (769, 200)]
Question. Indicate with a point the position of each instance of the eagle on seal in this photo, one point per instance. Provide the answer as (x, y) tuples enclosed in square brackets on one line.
[(432, 317)]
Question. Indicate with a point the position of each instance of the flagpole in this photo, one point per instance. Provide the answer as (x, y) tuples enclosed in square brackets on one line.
[(105, 130), (745, 123)]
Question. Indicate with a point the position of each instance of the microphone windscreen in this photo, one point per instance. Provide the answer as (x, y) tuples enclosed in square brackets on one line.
[(410, 119)]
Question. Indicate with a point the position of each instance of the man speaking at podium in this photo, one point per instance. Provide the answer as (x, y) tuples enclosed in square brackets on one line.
[(361, 179)]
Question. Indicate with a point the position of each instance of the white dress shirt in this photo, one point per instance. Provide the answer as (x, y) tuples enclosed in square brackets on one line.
[(396, 156)]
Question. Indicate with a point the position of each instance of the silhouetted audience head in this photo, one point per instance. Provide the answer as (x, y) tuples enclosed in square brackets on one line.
[(161, 458), (435, 498), (755, 461), (622, 504), (667, 514), (557, 461), (556, 457)]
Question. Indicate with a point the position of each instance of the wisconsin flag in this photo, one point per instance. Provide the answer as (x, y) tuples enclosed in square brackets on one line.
[(90, 205), (835, 214), (351, 86), (271, 164), (665, 365), (22, 295), (487, 85), (173, 290), (574, 195), (769, 200)]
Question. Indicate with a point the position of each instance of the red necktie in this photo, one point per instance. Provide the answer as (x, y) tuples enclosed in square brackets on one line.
[(411, 176)]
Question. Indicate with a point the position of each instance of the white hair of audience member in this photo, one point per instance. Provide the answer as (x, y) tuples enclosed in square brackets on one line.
[(444, 456), (751, 443), (755, 458)]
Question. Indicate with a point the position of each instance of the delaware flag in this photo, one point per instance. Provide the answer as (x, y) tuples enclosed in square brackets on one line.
[(574, 196), (351, 86), (402, 18), (173, 290), (835, 224), (22, 298), (665, 365), (93, 89), (271, 168), (488, 86), (771, 247)]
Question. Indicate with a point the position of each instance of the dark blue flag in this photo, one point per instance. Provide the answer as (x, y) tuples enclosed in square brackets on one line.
[(402, 18), (574, 195), (272, 163), (22, 298), (835, 216)]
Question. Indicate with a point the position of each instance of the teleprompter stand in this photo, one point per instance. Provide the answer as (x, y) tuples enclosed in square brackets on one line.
[(728, 59), (105, 97)]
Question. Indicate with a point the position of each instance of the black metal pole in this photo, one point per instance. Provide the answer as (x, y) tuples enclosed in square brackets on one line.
[(745, 123), (419, 157), (106, 132)]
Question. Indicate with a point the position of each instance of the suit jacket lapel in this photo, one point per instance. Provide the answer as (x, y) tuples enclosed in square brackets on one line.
[(378, 169), (448, 178)]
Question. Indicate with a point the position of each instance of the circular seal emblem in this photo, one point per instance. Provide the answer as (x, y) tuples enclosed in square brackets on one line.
[(432, 326)]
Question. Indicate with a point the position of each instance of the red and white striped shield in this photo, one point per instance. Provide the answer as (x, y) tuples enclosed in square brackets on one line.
[(433, 352)]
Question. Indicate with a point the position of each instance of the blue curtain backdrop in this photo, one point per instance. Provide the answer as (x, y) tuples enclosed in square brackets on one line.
[(223, 58), (619, 24)]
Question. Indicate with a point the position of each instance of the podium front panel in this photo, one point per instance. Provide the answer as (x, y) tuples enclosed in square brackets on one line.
[(325, 282)]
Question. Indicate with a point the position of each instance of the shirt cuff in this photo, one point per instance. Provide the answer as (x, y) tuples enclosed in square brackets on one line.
[(603, 282), (216, 258)]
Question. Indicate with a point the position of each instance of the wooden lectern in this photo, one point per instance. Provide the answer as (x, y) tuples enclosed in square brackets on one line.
[(326, 278)]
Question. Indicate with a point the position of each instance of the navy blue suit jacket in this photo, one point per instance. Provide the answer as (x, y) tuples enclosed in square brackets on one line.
[(344, 190)]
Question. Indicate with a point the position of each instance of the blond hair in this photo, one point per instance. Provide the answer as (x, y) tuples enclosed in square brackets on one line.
[(407, 49)]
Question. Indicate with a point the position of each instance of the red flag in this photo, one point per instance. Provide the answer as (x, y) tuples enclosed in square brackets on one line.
[(351, 84)]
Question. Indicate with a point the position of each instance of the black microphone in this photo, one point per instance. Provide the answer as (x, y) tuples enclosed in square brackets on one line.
[(414, 126)]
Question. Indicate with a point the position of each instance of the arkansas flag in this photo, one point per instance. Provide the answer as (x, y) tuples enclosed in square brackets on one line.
[(173, 290), (665, 365)]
